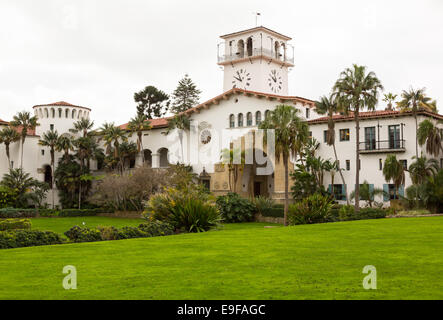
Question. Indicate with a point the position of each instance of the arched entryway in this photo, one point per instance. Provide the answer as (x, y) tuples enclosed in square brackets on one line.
[(163, 155), (148, 157), (48, 175)]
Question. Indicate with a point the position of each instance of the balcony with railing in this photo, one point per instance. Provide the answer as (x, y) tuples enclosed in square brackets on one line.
[(382, 146), (256, 53)]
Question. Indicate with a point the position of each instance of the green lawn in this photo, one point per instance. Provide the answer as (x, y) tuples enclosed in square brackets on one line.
[(244, 261)]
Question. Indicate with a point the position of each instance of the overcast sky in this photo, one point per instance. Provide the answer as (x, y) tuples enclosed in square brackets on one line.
[(98, 53)]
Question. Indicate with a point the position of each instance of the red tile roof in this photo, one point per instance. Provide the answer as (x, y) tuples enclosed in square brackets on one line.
[(3, 122), (155, 123), (30, 132), (60, 104), (374, 114)]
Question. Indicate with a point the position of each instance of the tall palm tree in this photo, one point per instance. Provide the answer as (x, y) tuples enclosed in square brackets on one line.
[(24, 122), (182, 123), (127, 150), (330, 107), (422, 169), (50, 139), (414, 101), (7, 136), (389, 98), (112, 136), (230, 157), (393, 170), (432, 136), (137, 125), (291, 133), (83, 125), (65, 144), (357, 90)]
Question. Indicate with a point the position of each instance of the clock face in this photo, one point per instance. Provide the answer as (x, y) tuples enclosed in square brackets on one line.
[(241, 79), (275, 81)]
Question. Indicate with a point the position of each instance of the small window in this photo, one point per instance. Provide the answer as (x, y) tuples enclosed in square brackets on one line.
[(12, 164), (344, 134), (338, 191), (307, 113), (51, 127), (404, 163), (257, 118), (240, 119), (67, 113), (60, 113), (348, 165), (249, 119), (310, 134), (325, 136), (380, 164), (267, 112), (392, 192), (231, 121), (43, 152)]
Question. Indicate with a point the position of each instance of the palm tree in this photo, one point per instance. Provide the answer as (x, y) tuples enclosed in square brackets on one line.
[(182, 123), (65, 144), (126, 151), (84, 125), (25, 122), (330, 107), (137, 125), (432, 136), (24, 184), (393, 170), (422, 169), (291, 133), (414, 101), (367, 193), (7, 136), (112, 137), (389, 98), (50, 139), (357, 90), (231, 157)]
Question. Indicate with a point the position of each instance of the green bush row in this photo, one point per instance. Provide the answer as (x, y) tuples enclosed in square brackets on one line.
[(28, 238), (12, 224), (347, 213), (149, 229), (31, 213), (277, 211)]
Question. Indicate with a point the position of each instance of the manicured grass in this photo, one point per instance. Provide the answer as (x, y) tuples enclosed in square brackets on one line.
[(322, 261), (61, 225)]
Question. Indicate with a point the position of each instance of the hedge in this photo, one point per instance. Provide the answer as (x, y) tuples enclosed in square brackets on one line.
[(31, 213), (12, 224), (277, 211), (28, 238)]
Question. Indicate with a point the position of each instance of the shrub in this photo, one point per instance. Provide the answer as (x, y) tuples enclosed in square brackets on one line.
[(77, 212), (263, 204), (190, 210), (17, 213), (108, 233), (8, 197), (157, 228), (11, 224), (348, 213), (28, 238), (417, 212), (79, 234), (313, 209), (276, 211), (234, 208)]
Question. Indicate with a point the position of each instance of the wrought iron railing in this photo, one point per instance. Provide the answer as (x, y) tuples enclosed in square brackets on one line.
[(380, 145), (256, 53)]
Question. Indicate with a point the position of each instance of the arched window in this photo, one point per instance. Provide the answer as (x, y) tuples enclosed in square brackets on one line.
[(257, 118), (40, 112), (283, 51), (277, 50), (231, 121), (267, 112), (52, 112), (66, 113), (249, 119), (60, 111), (73, 113), (46, 113), (164, 162), (240, 120), (240, 49), (249, 46), (80, 114), (148, 157), (48, 175)]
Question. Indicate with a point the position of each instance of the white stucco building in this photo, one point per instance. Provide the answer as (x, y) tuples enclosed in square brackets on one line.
[(255, 63)]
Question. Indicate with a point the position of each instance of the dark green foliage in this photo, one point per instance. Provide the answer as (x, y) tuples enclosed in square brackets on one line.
[(12, 224), (234, 208), (304, 183), (347, 213), (434, 187), (31, 213), (103, 233), (28, 238), (185, 96), (151, 102), (276, 211), (17, 213), (313, 209)]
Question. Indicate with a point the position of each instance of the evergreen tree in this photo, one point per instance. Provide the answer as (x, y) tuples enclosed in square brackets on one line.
[(185, 96), (151, 102)]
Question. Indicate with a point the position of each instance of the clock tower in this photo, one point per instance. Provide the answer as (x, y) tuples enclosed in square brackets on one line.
[(256, 59)]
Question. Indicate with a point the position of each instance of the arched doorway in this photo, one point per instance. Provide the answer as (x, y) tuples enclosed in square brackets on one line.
[(48, 175), (148, 157), (163, 153)]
